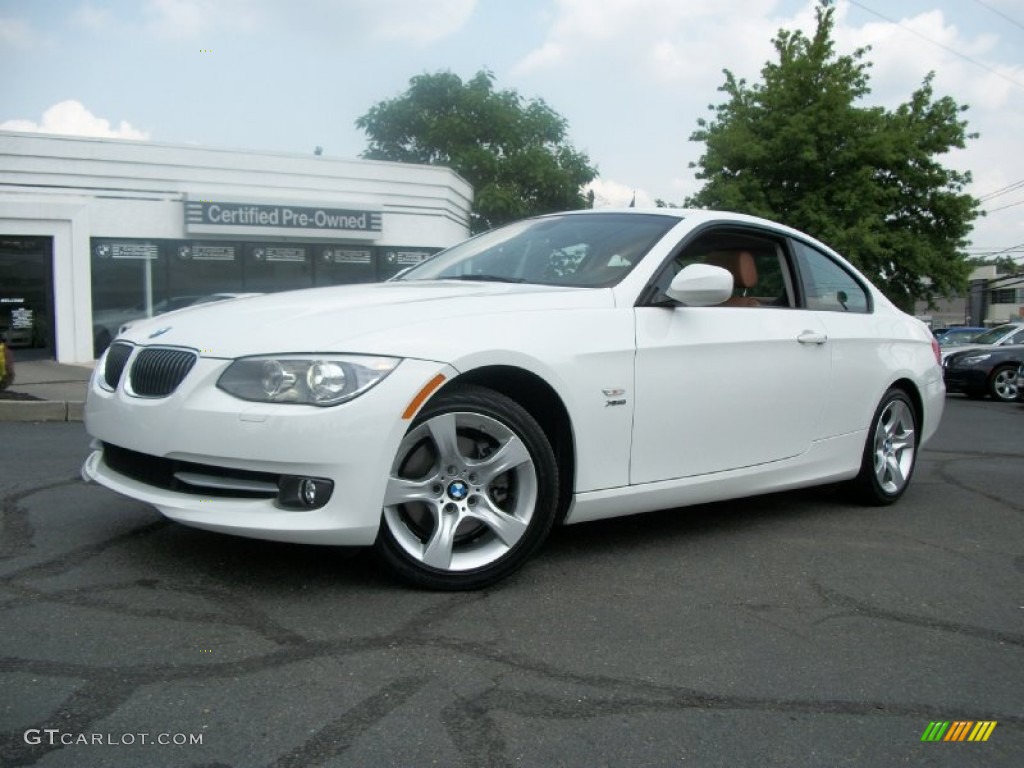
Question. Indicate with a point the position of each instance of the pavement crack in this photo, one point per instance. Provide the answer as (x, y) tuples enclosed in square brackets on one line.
[(101, 695), (946, 475), (338, 736), (75, 557), (15, 525), (861, 608)]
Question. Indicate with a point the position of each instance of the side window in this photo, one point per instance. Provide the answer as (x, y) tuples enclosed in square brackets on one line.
[(826, 285), (1017, 338), (761, 276)]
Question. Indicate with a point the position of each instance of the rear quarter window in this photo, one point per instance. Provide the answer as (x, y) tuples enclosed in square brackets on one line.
[(826, 285)]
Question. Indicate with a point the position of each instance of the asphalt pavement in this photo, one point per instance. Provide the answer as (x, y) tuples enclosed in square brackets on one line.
[(798, 629)]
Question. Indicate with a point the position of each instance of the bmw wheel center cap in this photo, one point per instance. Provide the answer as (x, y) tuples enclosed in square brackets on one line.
[(458, 490)]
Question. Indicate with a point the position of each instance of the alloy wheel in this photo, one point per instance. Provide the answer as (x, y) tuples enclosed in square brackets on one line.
[(462, 492), (894, 447)]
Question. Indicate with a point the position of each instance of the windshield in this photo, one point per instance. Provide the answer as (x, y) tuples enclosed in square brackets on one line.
[(994, 335), (954, 337), (586, 251)]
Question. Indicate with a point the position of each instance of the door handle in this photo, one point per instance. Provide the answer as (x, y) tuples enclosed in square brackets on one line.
[(812, 337)]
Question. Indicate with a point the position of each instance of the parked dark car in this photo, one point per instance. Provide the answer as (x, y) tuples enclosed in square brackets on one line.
[(1020, 383), (1006, 335), (986, 371)]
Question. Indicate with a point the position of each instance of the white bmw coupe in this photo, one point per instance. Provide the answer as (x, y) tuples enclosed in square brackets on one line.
[(561, 369)]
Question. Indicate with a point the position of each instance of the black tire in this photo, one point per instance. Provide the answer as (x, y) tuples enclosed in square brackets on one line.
[(472, 493), (890, 450), (1002, 384)]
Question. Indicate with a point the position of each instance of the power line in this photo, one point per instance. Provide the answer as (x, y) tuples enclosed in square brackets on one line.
[(955, 52), (997, 12), (1010, 249), (1002, 191), (1004, 207)]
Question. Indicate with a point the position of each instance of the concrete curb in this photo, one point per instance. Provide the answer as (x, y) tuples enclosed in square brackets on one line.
[(41, 410)]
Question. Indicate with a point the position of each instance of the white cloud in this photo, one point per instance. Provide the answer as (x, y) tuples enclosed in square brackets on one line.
[(545, 57), (612, 194), (71, 118), (15, 33), (666, 39), (415, 20), (902, 54)]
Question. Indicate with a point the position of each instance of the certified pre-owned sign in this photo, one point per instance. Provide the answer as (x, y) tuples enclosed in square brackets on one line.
[(222, 217)]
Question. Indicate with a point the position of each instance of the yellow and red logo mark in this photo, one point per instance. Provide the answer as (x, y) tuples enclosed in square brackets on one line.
[(958, 730)]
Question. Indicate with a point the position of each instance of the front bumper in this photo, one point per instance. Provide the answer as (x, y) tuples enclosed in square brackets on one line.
[(352, 444), (966, 380)]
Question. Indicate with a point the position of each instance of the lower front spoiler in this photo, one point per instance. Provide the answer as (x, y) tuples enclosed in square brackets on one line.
[(966, 382), (252, 518)]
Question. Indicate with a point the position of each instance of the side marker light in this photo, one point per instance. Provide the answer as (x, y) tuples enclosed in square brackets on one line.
[(421, 396)]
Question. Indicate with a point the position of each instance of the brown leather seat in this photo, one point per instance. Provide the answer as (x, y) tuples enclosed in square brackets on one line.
[(744, 275)]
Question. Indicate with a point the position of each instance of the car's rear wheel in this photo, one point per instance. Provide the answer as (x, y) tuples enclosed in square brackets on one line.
[(890, 452), (472, 492), (1002, 385)]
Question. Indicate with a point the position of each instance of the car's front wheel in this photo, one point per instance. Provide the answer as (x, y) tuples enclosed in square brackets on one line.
[(890, 452), (1003, 384), (471, 494)]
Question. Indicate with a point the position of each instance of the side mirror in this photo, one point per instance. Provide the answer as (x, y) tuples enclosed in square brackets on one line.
[(701, 285)]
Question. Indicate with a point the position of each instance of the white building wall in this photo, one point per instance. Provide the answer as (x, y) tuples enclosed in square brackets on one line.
[(74, 189), (1005, 313)]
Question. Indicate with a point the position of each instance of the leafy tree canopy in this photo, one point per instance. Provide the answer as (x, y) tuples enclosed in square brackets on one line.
[(514, 152), (797, 148)]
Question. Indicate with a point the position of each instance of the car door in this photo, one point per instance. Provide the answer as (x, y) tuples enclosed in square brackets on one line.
[(844, 307), (728, 386)]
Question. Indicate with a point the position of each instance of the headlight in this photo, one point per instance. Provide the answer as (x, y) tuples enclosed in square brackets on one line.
[(972, 360), (305, 379)]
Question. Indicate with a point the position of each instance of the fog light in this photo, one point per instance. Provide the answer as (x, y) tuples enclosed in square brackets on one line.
[(307, 492), (304, 492)]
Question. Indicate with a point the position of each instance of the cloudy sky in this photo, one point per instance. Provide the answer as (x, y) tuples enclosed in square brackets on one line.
[(631, 76)]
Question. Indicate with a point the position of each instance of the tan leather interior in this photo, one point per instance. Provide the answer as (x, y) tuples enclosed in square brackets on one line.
[(744, 274)]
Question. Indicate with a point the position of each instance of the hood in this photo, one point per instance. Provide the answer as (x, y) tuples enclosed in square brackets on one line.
[(950, 351), (366, 318), (1009, 352)]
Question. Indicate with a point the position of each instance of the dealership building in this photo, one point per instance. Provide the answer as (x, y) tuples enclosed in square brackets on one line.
[(95, 233)]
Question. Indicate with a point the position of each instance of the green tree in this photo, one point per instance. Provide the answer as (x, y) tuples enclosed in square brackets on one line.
[(801, 149), (514, 152)]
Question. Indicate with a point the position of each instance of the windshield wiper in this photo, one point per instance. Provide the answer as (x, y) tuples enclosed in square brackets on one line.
[(484, 278)]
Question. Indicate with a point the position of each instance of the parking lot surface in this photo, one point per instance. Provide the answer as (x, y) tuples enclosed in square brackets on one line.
[(798, 629)]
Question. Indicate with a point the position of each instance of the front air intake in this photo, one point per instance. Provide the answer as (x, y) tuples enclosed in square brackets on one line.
[(117, 357), (157, 372)]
